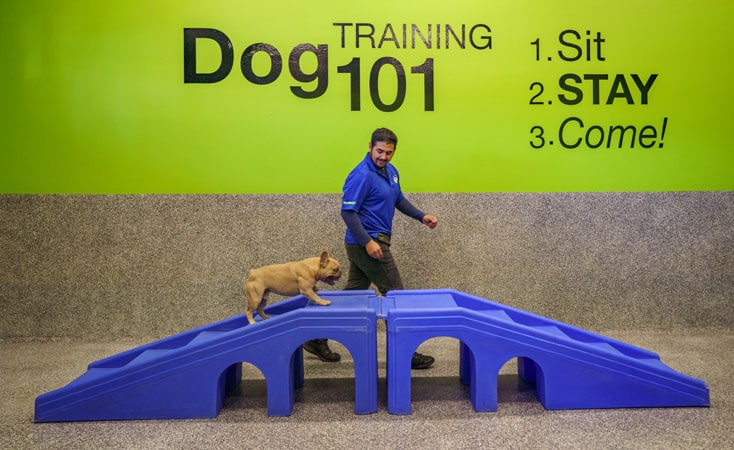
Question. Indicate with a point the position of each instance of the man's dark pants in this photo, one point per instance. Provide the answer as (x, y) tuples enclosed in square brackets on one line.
[(363, 269)]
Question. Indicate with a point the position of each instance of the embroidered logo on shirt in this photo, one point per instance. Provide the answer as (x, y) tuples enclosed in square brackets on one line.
[(395, 179)]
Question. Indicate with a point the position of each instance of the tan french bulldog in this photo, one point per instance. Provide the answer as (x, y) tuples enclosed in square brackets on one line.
[(292, 278)]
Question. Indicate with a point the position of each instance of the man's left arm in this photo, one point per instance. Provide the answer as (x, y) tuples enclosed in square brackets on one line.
[(407, 208)]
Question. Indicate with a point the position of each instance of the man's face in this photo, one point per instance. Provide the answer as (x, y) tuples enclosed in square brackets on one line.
[(381, 153)]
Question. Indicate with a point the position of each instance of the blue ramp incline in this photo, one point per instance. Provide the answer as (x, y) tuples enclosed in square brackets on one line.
[(572, 368), (187, 375)]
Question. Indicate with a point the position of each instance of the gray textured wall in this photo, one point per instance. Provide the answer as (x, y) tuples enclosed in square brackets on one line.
[(103, 266)]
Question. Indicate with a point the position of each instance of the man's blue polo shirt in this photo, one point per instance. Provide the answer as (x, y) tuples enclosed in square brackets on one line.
[(373, 195)]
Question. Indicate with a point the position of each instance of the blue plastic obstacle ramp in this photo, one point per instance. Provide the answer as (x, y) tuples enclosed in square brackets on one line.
[(187, 375), (572, 368)]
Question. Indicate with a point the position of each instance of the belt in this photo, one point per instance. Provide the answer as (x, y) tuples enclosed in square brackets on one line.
[(384, 238)]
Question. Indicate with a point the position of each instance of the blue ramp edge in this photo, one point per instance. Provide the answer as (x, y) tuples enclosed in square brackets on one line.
[(187, 375), (572, 368)]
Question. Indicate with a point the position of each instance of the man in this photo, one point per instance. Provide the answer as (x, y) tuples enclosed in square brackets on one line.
[(371, 194)]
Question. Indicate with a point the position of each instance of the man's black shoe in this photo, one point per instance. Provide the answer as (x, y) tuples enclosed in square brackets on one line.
[(421, 361), (320, 348)]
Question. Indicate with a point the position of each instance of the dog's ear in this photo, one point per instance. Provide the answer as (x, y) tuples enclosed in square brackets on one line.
[(324, 257)]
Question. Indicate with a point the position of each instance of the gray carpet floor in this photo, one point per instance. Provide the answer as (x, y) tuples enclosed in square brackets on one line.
[(323, 415)]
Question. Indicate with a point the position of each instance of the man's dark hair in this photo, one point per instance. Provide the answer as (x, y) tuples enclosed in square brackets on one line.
[(384, 135)]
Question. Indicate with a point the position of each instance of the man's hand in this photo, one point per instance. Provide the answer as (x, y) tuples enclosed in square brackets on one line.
[(374, 249), (430, 221)]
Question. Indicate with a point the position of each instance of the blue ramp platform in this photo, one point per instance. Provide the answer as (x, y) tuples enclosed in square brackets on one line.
[(188, 375), (571, 368)]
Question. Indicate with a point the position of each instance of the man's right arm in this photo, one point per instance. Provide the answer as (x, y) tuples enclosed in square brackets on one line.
[(351, 218)]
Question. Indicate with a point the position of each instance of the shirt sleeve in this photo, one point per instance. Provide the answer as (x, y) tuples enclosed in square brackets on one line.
[(407, 208), (351, 218), (354, 192)]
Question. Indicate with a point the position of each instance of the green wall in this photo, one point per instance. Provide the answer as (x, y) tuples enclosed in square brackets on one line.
[(571, 96)]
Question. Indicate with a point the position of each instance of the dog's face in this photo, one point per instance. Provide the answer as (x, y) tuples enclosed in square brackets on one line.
[(329, 268)]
